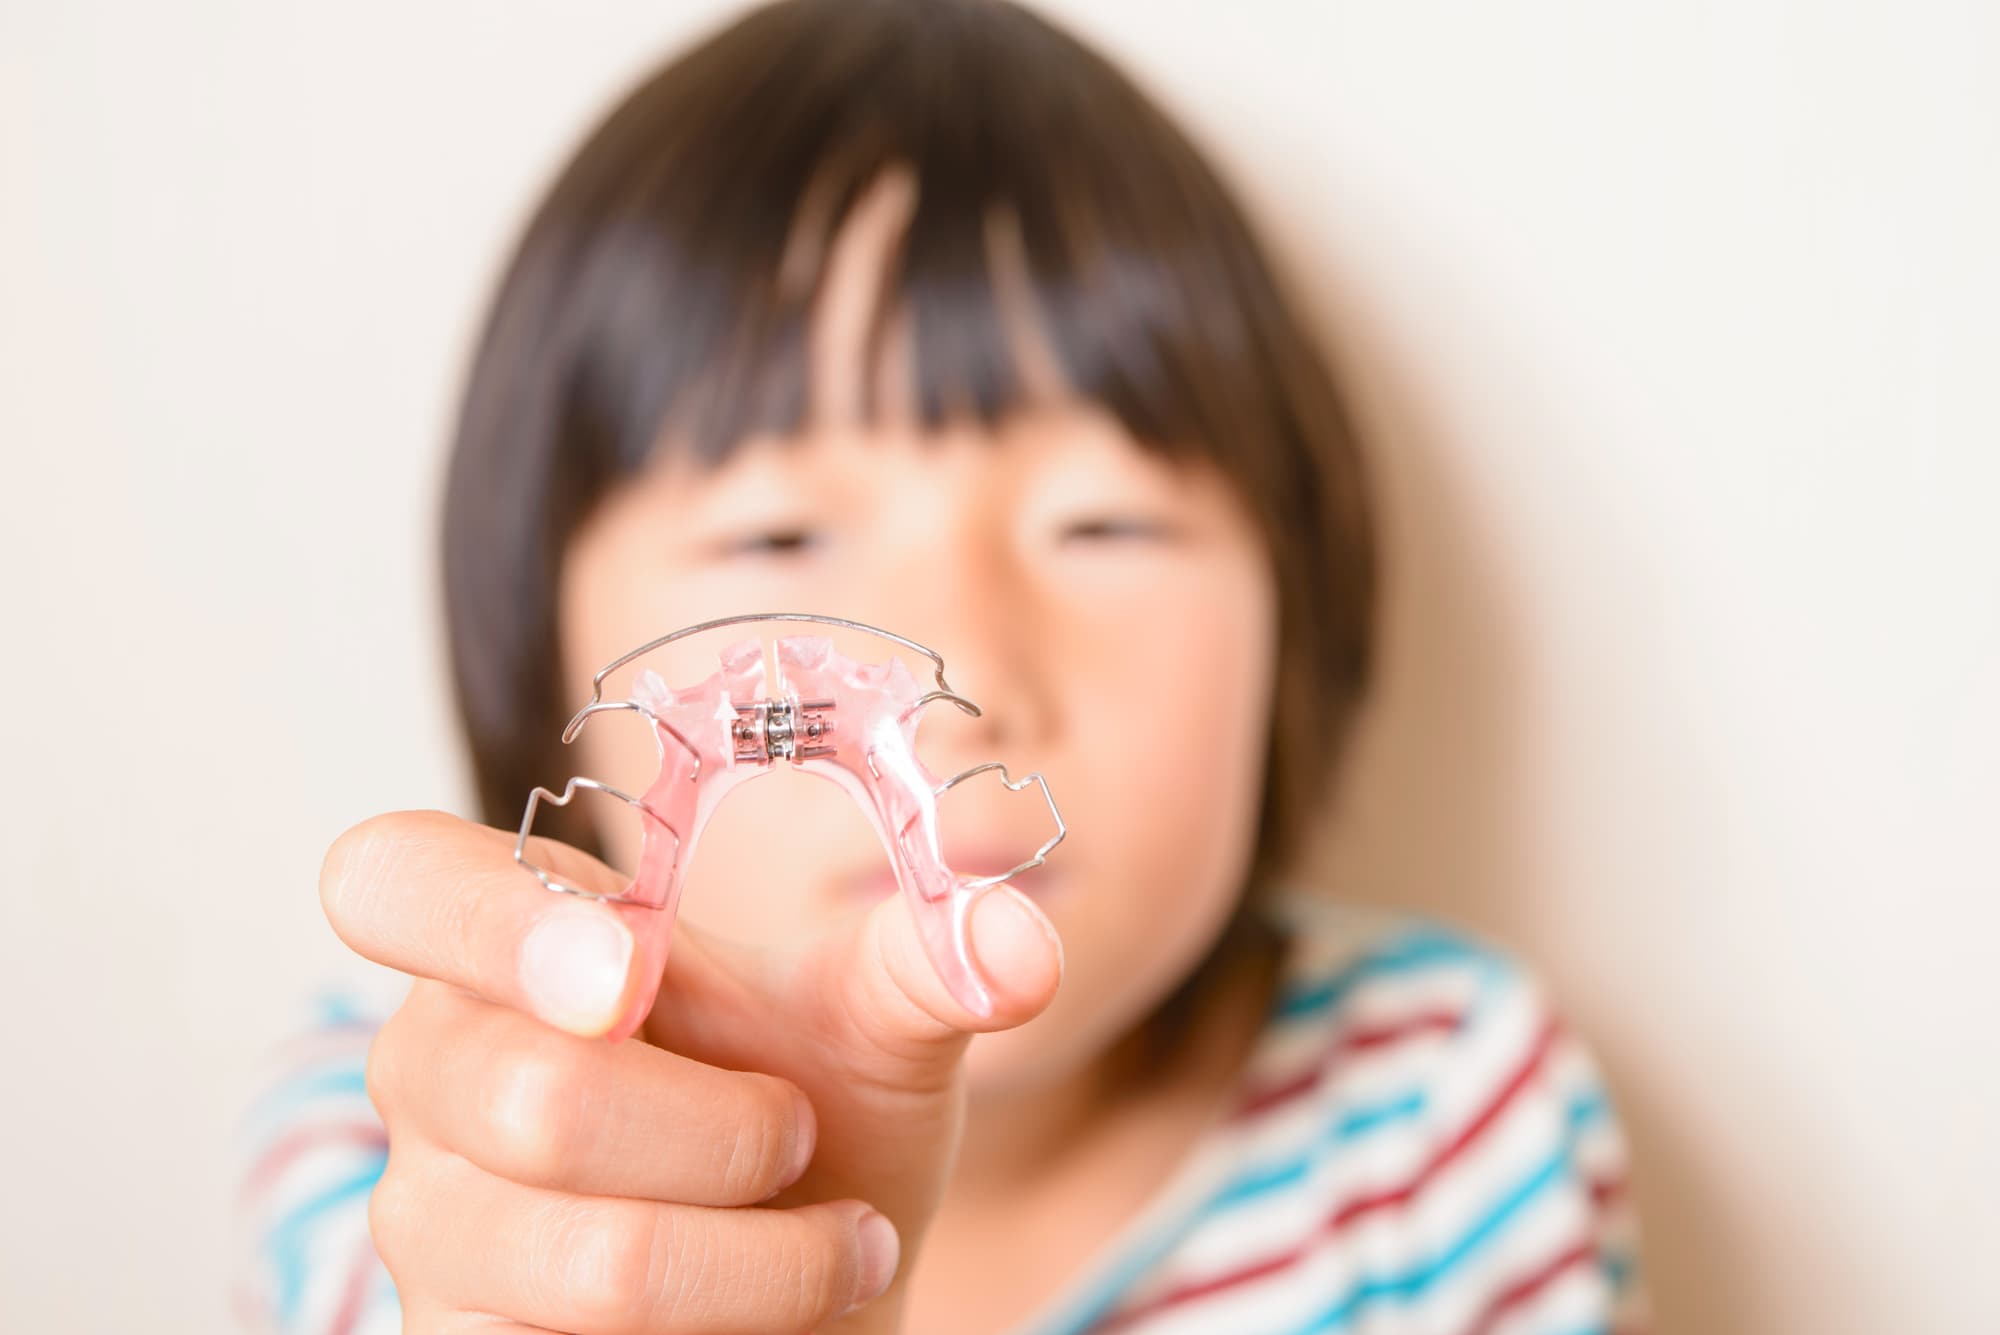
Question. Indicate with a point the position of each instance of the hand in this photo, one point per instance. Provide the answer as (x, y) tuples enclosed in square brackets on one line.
[(763, 1156)]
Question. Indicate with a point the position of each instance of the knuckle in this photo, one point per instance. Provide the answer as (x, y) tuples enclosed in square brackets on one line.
[(614, 1267), (392, 1214), (759, 1151), (387, 1075), (825, 1274), (378, 1075), (533, 1115)]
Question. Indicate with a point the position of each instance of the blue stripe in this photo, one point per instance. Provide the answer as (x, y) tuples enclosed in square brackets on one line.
[(1246, 1186), (1417, 950), (1412, 1283), (1292, 1171), (1588, 1107), (283, 1099), (338, 1010), (287, 1241)]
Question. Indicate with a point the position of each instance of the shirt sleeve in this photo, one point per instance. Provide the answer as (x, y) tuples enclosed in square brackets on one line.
[(310, 1150), (1533, 1174)]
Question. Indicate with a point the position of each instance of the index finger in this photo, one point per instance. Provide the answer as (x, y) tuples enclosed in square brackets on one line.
[(429, 894)]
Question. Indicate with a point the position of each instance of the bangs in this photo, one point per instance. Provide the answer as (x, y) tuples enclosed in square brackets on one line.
[(1051, 200)]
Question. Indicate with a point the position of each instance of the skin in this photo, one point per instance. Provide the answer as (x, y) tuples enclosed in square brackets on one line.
[(1115, 616)]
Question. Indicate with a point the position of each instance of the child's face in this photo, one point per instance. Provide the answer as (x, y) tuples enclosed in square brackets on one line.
[(1131, 665), (1114, 615)]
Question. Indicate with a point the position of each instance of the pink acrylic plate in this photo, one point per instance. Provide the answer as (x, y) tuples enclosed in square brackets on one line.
[(853, 723)]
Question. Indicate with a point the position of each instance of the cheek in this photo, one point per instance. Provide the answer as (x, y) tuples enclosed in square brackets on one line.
[(1168, 733), (1186, 723)]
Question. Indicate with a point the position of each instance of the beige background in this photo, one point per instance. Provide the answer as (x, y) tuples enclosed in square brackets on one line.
[(1675, 333)]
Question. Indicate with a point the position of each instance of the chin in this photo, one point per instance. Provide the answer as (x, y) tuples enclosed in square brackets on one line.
[(1057, 1045), (1011, 1062)]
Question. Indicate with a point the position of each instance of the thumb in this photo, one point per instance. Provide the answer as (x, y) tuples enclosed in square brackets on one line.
[(881, 980)]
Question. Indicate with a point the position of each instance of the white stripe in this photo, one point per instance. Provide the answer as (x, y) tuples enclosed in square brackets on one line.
[(1573, 1302)]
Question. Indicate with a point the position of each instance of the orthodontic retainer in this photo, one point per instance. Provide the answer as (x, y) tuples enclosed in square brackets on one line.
[(853, 723)]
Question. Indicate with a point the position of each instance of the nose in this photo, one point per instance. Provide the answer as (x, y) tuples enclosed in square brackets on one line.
[(966, 594)]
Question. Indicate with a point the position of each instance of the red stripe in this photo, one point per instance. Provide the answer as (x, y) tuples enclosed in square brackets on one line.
[(1359, 1040), (1361, 1207), (1524, 1289), (356, 1296), (281, 1155)]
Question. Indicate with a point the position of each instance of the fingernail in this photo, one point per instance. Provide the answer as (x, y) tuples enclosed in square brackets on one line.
[(573, 966), (1008, 935), (880, 1250)]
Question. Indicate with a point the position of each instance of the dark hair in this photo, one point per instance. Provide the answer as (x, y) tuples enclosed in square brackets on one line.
[(645, 303)]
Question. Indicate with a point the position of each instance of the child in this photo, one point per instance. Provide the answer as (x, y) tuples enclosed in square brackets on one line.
[(917, 312)]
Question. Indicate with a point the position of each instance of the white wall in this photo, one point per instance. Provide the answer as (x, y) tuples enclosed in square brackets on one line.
[(1675, 334)]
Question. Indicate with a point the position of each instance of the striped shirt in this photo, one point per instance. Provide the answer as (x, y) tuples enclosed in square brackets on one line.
[(1417, 1145)]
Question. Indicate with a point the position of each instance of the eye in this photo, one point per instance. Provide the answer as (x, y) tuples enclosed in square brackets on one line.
[(774, 541), (1113, 527)]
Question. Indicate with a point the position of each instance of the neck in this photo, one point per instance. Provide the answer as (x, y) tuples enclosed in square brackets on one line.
[(1013, 1137), (1017, 1139)]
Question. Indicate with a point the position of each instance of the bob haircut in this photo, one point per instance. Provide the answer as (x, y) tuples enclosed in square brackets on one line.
[(647, 307)]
